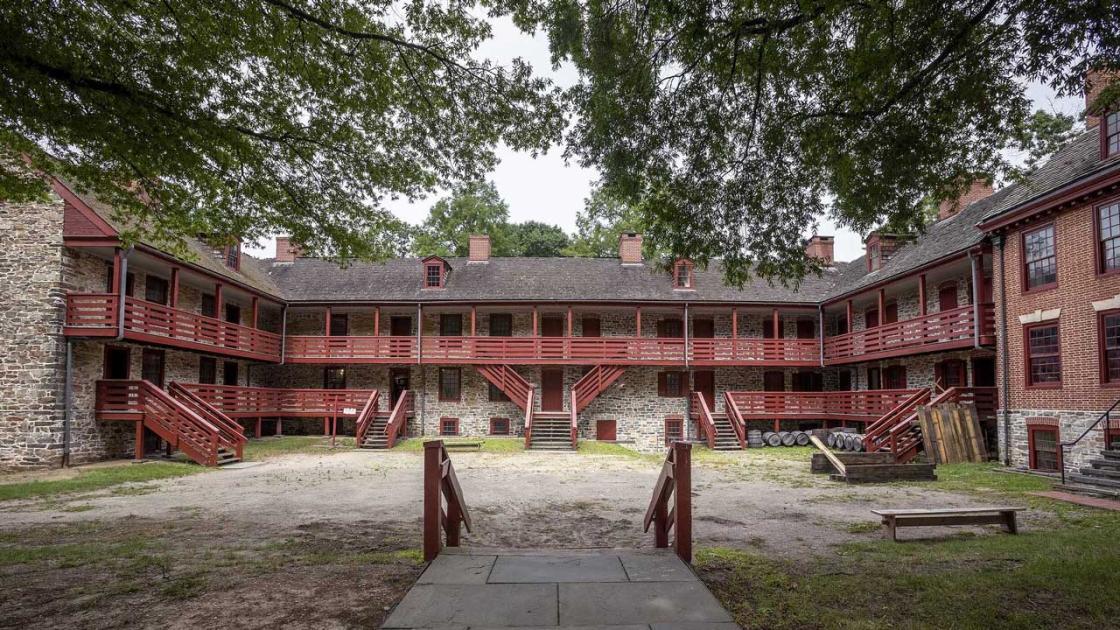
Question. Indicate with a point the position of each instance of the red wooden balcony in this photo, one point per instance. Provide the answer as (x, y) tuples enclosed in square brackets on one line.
[(936, 332), (847, 405), (95, 315), (120, 400), (552, 350)]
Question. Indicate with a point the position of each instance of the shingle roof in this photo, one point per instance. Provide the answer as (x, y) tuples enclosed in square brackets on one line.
[(1077, 159), (525, 279)]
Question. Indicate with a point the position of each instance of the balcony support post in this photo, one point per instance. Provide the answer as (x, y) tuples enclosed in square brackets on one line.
[(685, 327), (882, 308), (256, 310), (777, 323), (977, 281), (474, 320), (139, 451), (849, 322), (377, 321), (569, 320), (820, 332), (283, 335), (419, 336), (173, 299), (734, 332), (218, 301), (120, 268), (638, 320), (327, 322), (923, 307)]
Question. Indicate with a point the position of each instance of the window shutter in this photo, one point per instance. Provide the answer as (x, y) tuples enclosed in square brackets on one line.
[(662, 384)]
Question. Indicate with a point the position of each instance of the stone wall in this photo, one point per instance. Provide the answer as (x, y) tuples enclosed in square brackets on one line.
[(1070, 425)]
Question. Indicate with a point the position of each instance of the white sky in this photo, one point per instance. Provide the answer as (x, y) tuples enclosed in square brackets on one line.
[(550, 190)]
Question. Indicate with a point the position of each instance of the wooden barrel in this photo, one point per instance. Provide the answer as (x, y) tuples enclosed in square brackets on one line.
[(848, 441), (830, 440), (772, 439), (802, 438), (788, 438), (857, 443)]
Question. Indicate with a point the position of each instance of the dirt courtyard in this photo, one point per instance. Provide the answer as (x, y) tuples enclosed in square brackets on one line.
[(331, 539)]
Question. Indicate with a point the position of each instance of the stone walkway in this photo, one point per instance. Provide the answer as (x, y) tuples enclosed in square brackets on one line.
[(482, 589)]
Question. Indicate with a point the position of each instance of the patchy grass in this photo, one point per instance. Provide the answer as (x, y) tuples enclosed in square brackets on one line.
[(265, 448), (595, 447), (865, 527), (489, 445), (97, 479)]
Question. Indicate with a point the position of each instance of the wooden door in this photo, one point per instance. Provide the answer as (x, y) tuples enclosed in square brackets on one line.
[(552, 390), (704, 381), (806, 329), (947, 297), (117, 363), (398, 383), (983, 372), (230, 373), (233, 313), (871, 318), (703, 328), (606, 430), (774, 381), (890, 313), (151, 366), (400, 325), (592, 327), (340, 324), (552, 327)]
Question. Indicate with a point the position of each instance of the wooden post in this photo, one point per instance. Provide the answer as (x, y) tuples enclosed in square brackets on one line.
[(569, 320), (777, 332), (849, 317), (922, 305), (139, 440), (256, 310), (377, 321), (882, 307), (474, 318), (734, 332), (218, 303), (433, 482), (660, 525), (173, 300), (257, 432), (327, 325), (279, 426), (116, 288), (638, 319), (682, 510), (534, 320)]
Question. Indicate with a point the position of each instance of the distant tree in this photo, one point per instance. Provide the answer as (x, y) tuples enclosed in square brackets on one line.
[(245, 119), (475, 208), (1041, 135), (598, 226), (533, 238)]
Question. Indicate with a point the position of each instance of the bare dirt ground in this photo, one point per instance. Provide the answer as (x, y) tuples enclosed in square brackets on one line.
[(331, 539)]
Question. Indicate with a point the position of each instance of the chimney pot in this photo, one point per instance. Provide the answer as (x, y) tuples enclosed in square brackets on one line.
[(979, 189), (286, 251), (630, 248), (479, 248), (821, 248)]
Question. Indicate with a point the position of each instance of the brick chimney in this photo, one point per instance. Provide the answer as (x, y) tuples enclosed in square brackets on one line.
[(880, 246), (286, 251), (821, 248), (979, 189), (1095, 82), (630, 248), (479, 248)]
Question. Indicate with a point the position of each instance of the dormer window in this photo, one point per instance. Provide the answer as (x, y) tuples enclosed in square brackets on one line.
[(1110, 134), (682, 274), (874, 261), (231, 255), (435, 272)]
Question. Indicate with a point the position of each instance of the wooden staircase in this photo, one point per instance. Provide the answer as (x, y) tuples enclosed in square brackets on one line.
[(382, 429), (1101, 476), (552, 431), (187, 423), (721, 431), (508, 381)]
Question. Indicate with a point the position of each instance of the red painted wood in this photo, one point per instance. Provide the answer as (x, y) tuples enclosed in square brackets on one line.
[(606, 430), (552, 390), (937, 331), (853, 405), (704, 383)]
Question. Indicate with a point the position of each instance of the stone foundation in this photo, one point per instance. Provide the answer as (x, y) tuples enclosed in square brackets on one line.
[(1070, 425)]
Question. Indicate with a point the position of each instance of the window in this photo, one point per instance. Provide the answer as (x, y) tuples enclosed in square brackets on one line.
[(499, 426), (1044, 364), (501, 325), (947, 297), (768, 327), (129, 281), (871, 318), (1110, 347), (334, 378), (1043, 445), (674, 430), (874, 378), (340, 324), (451, 325), (229, 373), (497, 395), (117, 362), (592, 327), (682, 275), (1108, 235), (873, 257), (671, 328), (449, 384), (449, 426), (208, 306), (890, 313), (207, 370), (155, 290), (949, 373), (806, 329), (433, 275), (894, 377), (1040, 264), (844, 380), (1111, 134), (232, 256), (670, 384)]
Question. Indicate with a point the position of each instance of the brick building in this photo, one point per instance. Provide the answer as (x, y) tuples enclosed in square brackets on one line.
[(115, 352)]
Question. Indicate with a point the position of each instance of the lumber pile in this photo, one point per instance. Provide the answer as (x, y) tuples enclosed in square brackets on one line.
[(951, 434), (867, 467)]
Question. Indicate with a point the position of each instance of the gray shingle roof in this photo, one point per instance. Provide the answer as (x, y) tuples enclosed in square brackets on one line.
[(525, 279)]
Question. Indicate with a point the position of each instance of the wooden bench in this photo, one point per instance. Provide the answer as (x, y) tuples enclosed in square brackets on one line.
[(1004, 516), (464, 445)]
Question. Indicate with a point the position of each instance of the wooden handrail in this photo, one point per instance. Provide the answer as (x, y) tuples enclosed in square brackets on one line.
[(884, 424), (440, 483), (674, 482), (398, 418), (231, 434), (575, 420), (365, 417), (956, 324), (707, 424), (736, 419), (179, 425), (529, 416)]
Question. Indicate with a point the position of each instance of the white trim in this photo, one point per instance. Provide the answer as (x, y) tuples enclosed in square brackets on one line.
[(1040, 316), (1107, 305)]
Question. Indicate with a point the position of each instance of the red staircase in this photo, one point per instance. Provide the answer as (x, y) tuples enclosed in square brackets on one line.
[(586, 390), (231, 434), (897, 430), (721, 431), (509, 381), (384, 427)]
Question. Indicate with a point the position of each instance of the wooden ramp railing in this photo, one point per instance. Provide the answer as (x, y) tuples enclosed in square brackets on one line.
[(529, 417), (366, 417), (507, 380), (230, 433), (440, 483), (675, 482), (704, 415), (397, 418)]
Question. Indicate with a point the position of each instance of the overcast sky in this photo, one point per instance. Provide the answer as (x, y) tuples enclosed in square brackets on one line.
[(548, 189)]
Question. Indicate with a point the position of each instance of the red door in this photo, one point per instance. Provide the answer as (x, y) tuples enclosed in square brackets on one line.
[(704, 381), (774, 382), (606, 430), (806, 329), (871, 318), (947, 297), (890, 313), (591, 327), (703, 329), (552, 390), (552, 327)]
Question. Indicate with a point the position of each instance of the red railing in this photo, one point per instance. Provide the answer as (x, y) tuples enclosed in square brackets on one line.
[(440, 483), (171, 419), (674, 482), (574, 419), (704, 415), (312, 349), (735, 418), (397, 419), (529, 416), (366, 417), (955, 327), (239, 401), (884, 431), (711, 351), (231, 433), (156, 323), (846, 405), (507, 380), (595, 382)]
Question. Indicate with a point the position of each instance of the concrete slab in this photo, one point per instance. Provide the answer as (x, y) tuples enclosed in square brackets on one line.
[(694, 626), (434, 605), (556, 569), (457, 569), (639, 602), (656, 568), (641, 626), (240, 465)]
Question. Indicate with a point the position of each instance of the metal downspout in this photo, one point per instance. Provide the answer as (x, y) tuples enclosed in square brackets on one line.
[(977, 318), (67, 397), (688, 375), (820, 330), (122, 285), (419, 362), (283, 333), (1006, 394)]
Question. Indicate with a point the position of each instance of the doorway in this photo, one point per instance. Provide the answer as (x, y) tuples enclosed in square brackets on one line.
[(552, 327), (704, 381), (151, 366), (116, 363), (983, 372), (400, 325), (398, 384), (552, 390)]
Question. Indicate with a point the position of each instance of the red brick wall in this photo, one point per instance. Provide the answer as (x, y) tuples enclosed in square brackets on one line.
[(1078, 287)]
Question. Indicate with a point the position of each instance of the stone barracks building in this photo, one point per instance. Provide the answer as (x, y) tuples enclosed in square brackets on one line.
[(1011, 300)]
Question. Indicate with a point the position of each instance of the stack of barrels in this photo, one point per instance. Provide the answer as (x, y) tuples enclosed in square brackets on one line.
[(757, 438), (845, 440)]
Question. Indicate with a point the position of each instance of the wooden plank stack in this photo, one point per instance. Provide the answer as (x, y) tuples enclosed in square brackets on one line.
[(951, 434)]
